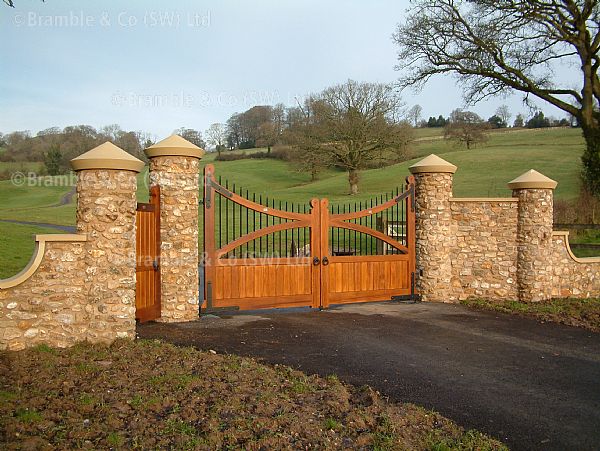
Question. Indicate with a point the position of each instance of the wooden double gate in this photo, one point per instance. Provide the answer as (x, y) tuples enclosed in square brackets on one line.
[(260, 253)]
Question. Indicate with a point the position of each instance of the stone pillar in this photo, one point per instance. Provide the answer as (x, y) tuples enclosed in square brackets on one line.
[(433, 180), (106, 205), (175, 167), (534, 235)]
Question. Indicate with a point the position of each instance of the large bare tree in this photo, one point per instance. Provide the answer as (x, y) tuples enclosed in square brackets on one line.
[(305, 135), (193, 136), (358, 124), (494, 46), (216, 135), (503, 112), (414, 114)]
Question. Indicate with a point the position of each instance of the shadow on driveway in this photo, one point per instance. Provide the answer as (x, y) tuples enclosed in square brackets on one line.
[(533, 386)]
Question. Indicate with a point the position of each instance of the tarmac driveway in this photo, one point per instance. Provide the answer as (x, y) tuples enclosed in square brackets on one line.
[(533, 386)]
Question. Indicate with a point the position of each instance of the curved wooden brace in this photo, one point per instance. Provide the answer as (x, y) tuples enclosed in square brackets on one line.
[(221, 190), (262, 232), (369, 231), (267, 210), (371, 211)]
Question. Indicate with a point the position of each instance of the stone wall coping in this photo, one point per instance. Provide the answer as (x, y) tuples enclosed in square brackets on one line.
[(174, 145), (565, 236), (432, 163), (484, 199), (107, 156), (37, 257), (532, 179)]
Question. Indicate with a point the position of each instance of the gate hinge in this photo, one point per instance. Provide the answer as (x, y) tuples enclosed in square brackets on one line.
[(209, 185)]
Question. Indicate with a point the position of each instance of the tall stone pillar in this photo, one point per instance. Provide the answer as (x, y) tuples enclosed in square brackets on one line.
[(534, 235), (106, 205), (433, 180), (175, 167)]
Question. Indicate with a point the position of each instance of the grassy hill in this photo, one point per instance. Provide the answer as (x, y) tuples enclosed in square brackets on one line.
[(482, 172)]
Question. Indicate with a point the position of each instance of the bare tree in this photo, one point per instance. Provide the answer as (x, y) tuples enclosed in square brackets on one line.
[(269, 132), (305, 136), (193, 136), (414, 114), (356, 124), (503, 112), (235, 133), (216, 135), (466, 128), (494, 46)]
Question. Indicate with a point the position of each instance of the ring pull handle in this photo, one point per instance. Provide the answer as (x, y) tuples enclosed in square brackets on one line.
[(316, 261), (325, 261)]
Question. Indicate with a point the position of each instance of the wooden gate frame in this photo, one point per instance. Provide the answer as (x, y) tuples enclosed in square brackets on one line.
[(319, 220), (148, 302), (212, 255), (329, 219)]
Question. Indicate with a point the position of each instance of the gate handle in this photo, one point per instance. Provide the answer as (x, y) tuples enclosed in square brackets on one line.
[(325, 261), (316, 261), (155, 265)]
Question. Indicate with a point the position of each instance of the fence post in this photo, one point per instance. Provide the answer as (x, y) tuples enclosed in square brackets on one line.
[(434, 241), (175, 167), (106, 204), (534, 235)]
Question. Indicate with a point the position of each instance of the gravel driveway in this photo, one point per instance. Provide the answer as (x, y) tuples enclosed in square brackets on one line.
[(533, 386)]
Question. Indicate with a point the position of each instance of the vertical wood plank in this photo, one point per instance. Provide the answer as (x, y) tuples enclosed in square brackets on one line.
[(235, 282), (227, 282), (242, 282), (250, 281)]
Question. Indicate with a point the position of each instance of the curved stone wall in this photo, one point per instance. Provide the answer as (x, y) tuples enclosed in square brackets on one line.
[(48, 304)]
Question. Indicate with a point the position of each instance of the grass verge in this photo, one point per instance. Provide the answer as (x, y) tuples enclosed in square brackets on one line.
[(583, 313), (151, 395)]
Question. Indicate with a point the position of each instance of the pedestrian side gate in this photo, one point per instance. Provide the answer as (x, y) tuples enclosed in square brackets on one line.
[(147, 272), (262, 253)]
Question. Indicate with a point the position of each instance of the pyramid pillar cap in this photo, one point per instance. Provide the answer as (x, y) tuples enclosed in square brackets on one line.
[(532, 179), (432, 163), (107, 156), (174, 145)]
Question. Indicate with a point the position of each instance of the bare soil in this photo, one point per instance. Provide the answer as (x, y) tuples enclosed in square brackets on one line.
[(583, 313), (151, 395)]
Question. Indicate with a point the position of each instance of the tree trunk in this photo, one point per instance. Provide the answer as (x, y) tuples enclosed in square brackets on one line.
[(591, 157), (353, 180), (268, 150)]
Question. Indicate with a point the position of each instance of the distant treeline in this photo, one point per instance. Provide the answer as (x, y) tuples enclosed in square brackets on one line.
[(55, 147), (538, 120)]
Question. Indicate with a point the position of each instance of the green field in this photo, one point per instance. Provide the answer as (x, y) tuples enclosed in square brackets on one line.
[(482, 172), (16, 246), (20, 166)]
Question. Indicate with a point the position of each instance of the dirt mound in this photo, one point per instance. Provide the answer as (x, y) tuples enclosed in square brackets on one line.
[(151, 395)]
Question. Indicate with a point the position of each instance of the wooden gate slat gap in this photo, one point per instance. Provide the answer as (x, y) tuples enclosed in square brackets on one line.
[(368, 231), (262, 232)]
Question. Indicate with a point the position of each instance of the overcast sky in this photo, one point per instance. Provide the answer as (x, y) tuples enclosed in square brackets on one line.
[(157, 66)]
